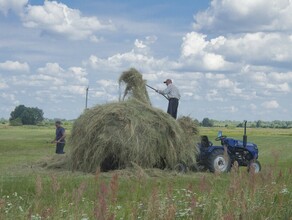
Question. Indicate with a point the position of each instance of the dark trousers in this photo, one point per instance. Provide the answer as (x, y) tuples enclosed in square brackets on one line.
[(172, 107), (60, 148)]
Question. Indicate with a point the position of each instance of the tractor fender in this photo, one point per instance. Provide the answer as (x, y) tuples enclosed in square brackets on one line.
[(212, 148)]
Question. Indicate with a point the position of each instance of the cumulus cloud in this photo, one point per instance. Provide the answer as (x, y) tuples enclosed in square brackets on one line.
[(139, 44), (242, 15), (244, 49), (219, 53), (242, 33), (230, 109), (214, 95), (193, 44), (13, 5), (281, 76), (14, 66), (53, 83), (257, 48), (58, 18), (3, 85), (126, 60), (9, 97), (273, 104), (73, 79), (200, 52), (269, 82), (143, 45)]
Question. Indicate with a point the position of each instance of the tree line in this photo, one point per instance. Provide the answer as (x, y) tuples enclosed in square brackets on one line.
[(206, 122), (23, 115)]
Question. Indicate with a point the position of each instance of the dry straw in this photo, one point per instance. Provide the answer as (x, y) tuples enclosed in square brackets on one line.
[(116, 135)]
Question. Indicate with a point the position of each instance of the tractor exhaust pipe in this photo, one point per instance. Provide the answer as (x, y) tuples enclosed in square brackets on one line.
[(244, 134)]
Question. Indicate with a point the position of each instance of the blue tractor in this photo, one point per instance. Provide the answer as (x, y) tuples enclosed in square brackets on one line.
[(222, 158)]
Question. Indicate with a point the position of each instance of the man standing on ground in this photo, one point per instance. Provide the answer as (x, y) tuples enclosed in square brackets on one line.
[(60, 138), (173, 96)]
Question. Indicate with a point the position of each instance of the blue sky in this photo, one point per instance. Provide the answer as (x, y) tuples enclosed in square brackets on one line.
[(231, 60)]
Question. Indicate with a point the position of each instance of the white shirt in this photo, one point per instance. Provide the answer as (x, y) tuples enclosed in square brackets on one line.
[(171, 91)]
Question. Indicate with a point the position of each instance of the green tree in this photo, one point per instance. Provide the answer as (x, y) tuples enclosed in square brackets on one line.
[(206, 122), (26, 115), (259, 124)]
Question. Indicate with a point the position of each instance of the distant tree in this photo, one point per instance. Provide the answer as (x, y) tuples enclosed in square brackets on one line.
[(196, 121), (240, 125), (259, 124), (3, 120), (206, 122), (26, 115)]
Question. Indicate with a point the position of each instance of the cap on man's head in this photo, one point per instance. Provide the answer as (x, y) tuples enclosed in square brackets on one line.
[(58, 122), (168, 81)]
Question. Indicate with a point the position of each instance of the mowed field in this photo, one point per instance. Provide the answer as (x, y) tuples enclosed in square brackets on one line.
[(30, 191)]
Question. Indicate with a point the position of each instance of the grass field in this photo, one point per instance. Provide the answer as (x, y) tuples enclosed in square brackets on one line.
[(28, 191)]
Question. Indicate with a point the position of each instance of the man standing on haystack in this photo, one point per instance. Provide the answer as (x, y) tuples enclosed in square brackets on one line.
[(173, 96), (60, 138)]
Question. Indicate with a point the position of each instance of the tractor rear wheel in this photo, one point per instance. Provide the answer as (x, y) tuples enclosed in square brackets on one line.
[(219, 162)]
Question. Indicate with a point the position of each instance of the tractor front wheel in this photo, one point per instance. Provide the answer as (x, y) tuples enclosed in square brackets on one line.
[(254, 166), (219, 161)]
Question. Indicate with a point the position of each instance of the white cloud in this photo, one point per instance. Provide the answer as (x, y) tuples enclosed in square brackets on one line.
[(14, 5), (199, 52), (213, 61), (269, 82), (143, 46), (51, 69), (278, 87), (273, 104), (3, 85), (243, 15), (53, 83), (272, 49), (214, 76), (121, 61), (54, 72), (9, 97), (193, 44), (96, 39), (253, 106), (230, 109), (140, 44), (259, 47), (281, 76), (225, 83), (214, 95), (14, 66), (58, 18)]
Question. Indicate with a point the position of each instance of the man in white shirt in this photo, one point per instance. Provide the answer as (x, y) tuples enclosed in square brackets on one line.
[(173, 96)]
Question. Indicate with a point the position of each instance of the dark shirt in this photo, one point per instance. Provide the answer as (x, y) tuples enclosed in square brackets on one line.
[(59, 133)]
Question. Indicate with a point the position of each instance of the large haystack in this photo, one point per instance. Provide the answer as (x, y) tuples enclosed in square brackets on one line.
[(116, 135)]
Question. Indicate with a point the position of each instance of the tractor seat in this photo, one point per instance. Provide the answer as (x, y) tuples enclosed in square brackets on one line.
[(205, 143)]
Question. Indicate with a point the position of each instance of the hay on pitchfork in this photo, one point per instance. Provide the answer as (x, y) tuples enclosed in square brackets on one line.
[(135, 86)]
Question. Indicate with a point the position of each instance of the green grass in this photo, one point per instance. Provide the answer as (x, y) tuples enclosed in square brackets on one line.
[(28, 191)]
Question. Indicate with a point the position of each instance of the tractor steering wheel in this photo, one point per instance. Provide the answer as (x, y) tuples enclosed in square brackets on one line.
[(220, 138)]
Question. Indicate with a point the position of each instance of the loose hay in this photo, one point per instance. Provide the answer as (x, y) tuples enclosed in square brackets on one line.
[(120, 134)]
